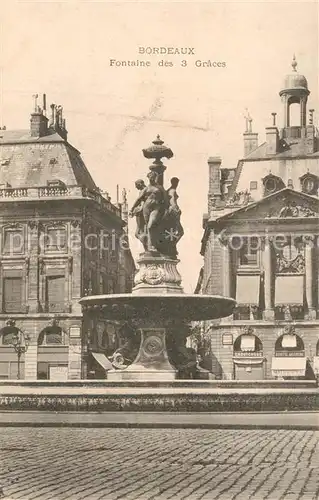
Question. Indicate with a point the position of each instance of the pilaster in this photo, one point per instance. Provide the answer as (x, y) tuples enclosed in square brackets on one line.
[(33, 267), (31, 362), (309, 276), (267, 265)]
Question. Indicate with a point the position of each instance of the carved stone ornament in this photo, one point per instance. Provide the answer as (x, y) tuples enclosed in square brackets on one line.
[(56, 224), (153, 275), (33, 224), (296, 265), (291, 209), (75, 223), (289, 330), (239, 199), (153, 345), (309, 239), (159, 272), (248, 330), (13, 225)]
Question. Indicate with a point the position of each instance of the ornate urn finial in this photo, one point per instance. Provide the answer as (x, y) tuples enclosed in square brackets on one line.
[(157, 151)]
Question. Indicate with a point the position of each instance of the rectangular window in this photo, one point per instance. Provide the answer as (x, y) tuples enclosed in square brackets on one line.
[(248, 250), (13, 242), (12, 294), (55, 293), (248, 253), (55, 240)]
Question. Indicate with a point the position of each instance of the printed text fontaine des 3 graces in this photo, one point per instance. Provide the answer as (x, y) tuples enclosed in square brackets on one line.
[(167, 57)]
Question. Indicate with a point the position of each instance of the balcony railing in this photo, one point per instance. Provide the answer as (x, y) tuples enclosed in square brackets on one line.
[(53, 191), (292, 132), (56, 192), (14, 193)]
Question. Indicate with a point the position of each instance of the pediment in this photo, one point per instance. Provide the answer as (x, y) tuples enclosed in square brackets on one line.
[(285, 204)]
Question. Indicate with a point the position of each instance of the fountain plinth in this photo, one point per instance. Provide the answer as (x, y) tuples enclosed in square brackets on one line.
[(157, 274), (157, 306)]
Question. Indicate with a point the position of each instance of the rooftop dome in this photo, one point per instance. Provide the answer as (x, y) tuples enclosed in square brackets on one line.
[(295, 80)]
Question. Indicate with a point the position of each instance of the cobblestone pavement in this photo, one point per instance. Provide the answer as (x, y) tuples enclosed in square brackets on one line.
[(158, 464)]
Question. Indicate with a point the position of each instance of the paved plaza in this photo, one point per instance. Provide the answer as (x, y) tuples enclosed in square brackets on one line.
[(159, 464)]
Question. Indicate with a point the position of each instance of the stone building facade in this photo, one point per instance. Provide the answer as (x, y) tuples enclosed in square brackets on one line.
[(260, 246), (60, 239)]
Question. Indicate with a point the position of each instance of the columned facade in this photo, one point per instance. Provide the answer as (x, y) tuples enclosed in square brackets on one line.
[(267, 255)]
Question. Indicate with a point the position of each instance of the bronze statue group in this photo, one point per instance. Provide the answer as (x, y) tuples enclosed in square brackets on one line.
[(157, 216)]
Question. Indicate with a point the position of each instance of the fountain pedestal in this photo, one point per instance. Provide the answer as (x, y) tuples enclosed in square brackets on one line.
[(151, 363), (157, 306), (157, 274)]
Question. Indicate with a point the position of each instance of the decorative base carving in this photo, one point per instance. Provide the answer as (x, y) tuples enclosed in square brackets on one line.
[(157, 274), (269, 315), (312, 314), (151, 362)]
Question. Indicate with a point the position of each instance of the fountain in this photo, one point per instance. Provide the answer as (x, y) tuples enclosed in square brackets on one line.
[(157, 307)]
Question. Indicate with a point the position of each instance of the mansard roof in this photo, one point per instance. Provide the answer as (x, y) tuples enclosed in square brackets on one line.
[(27, 161)]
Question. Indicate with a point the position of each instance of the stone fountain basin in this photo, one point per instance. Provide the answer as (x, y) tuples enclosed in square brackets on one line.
[(167, 307)]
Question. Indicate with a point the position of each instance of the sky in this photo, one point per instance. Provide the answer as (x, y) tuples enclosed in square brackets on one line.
[(64, 49)]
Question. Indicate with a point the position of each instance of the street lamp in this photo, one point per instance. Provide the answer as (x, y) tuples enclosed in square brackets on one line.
[(20, 343)]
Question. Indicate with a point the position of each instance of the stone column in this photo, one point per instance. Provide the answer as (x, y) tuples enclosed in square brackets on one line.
[(309, 245), (269, 311), (227, 271)]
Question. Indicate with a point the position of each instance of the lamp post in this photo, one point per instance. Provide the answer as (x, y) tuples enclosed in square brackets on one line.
[(20, 343)]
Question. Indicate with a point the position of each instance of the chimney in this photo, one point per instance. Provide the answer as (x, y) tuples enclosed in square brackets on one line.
[(38, 121), (124, 210), (309, 140), (214, 190), (250, 137), (57, 122), (272, 137)]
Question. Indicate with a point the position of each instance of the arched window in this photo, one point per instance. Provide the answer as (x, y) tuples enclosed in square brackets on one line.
[(294, 113), (7, 334), (289, 255), (51, 335), (248, 345), (272, 183), (289, 342), (309, 183)]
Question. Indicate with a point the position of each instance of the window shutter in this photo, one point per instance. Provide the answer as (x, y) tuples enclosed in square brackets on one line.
[(12, 294), (55, 293)]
